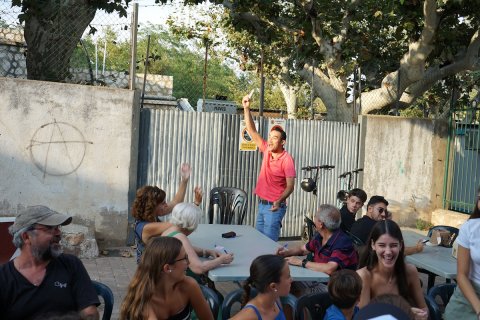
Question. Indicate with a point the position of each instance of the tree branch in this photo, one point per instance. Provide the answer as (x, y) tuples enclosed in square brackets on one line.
[(413, 62), (469, 61), (340, 39)]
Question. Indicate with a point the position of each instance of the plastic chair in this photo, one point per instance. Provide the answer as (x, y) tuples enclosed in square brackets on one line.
[(236, 297), (431, 275), (107, 295), (313, 306), (212, 299), (433, 309), (443, 291), (227, 205), (452, 230), (357, 242)]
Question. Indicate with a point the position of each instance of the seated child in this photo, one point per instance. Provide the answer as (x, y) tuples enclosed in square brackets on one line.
[(344, 289)]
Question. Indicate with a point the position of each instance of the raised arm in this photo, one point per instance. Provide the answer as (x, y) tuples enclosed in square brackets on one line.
[(252, 131), (185, 172), (201, 266)]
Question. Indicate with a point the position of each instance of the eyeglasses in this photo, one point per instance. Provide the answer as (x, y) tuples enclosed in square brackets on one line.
[(381, 210), (48, 229), (184, 258)]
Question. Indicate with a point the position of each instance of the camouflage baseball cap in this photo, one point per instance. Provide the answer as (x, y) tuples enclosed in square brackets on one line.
[(41, 215)]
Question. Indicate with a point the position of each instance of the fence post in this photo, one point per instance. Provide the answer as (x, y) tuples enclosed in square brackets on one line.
[(133, 47)]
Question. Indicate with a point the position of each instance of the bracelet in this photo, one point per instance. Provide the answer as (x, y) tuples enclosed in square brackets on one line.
[(304, 263)]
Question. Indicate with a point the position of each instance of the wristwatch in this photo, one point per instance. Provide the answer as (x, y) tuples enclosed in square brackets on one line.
[(304, 263)]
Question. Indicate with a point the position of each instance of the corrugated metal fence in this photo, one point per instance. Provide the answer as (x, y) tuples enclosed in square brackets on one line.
[(210, 143)]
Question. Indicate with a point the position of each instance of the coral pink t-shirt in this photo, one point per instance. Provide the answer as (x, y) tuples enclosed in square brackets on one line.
[(273, 173)]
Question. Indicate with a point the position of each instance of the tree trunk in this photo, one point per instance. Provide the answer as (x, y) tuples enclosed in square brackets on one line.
[(332, 91), (52, 32), (290, 95)]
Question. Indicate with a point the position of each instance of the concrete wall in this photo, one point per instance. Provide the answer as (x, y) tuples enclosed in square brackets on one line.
[(404, 160), (72, 148)]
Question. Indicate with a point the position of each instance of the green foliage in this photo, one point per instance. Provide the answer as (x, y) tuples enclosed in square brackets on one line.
[(421, 224), (38, 8)]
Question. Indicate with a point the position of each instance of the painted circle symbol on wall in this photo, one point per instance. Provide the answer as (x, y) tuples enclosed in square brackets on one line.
[(58, 148)]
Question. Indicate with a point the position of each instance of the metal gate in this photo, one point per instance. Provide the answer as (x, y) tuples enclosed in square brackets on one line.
[(210, 143), (462, 174)]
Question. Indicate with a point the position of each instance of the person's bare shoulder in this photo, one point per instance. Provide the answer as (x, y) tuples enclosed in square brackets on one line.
[(412, 272), (245, 314), (364, 273)]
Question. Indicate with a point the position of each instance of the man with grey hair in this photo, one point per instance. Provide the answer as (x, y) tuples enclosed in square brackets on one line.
[(332, 249), (41, 280)]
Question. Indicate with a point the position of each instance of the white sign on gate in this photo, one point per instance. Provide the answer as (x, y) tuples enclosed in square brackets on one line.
[(246, 141)]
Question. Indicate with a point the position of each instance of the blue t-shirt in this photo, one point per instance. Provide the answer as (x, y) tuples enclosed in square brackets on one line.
[(334, 313)]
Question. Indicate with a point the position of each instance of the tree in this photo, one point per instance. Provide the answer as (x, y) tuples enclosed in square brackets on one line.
[(404, 47), (53, 29)]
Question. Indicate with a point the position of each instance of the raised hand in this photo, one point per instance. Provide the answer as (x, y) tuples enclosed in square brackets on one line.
[(185, 171), (246, 102), (198, 195)]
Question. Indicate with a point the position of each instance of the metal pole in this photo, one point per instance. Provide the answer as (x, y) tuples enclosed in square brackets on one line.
[(145, 71), (262, 87), (449, 142), (312, 111), (354, 94), (359, 90), (96, 59), (133, 47), (104, 56)]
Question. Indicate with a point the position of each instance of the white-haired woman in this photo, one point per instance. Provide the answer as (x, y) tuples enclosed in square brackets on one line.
[(185, 219)]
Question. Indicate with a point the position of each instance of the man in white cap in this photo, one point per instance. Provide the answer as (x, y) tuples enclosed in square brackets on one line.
[(42, 281)]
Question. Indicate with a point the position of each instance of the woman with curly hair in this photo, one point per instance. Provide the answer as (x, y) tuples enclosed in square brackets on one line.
[(160, 289), (385, 270), (150, 203), (270, 276)]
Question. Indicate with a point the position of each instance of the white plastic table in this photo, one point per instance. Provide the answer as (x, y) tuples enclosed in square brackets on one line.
[(438, 260), (246, 246)]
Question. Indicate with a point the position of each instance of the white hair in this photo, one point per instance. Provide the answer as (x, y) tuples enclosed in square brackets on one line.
[(186, 216), (330, 216)]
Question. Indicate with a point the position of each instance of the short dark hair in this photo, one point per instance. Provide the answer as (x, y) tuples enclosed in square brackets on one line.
[(376, 199), (344, 288), (359, 193), (279, 129)]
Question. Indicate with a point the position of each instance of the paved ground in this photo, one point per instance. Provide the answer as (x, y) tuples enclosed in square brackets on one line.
[(116, 271)]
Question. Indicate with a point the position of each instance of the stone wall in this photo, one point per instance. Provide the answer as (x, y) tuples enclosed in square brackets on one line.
[(73, 148), (404, 161), (12, 53)]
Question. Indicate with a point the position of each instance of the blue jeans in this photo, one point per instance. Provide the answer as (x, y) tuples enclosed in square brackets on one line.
[(270, 222)]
